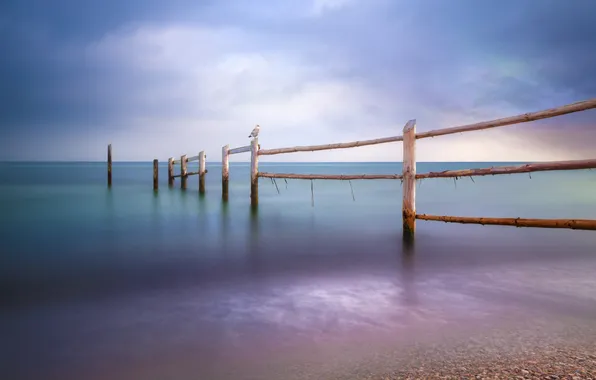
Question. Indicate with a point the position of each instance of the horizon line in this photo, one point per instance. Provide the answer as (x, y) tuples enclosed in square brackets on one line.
[(247, 162)]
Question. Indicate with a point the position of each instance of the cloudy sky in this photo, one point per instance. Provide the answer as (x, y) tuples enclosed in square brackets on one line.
[(158, 78)]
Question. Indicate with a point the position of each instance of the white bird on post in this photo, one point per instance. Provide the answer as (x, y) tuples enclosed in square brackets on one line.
[(255, 132)]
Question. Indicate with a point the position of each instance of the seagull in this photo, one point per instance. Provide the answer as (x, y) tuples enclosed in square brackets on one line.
[(255, 132)]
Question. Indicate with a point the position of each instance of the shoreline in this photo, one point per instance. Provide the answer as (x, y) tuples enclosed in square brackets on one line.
[(556, 361), (551, 348)]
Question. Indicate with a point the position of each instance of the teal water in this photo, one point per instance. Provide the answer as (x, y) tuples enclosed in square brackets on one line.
[(99, 273)]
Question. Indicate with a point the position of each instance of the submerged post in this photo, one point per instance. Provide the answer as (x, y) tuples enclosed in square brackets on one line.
[(171, 171), (409, 178), (109, 165), (225, 172), (183, 172), (202, 172), (254, 172), (155, 174)]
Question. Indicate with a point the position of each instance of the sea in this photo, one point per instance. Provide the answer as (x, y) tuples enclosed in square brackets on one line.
[(131, 283)]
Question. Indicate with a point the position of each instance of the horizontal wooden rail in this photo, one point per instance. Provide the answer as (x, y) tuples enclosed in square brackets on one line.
[(574, 224), (532, 116), (312, 148), (241, 149), (341, 177), (534, 167), (527, 168), (189, 174), (189, 159)]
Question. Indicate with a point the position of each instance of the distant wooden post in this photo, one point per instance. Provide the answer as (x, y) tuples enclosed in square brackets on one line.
[(225, 172), (109, 165), (171, 171), (155, 174), (202, 172), (254, 172), (409, 178), (183, 172)]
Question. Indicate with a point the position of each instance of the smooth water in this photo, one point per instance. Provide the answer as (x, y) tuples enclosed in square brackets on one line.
[(128, 283)]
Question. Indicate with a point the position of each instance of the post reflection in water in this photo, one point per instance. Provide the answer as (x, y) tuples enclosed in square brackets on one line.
[(157, 220), (408, 280), (110, 216), (203, 211), (225, 225), (254, 238)]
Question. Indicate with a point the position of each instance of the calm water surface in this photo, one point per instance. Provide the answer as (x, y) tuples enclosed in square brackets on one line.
[(127, 283)]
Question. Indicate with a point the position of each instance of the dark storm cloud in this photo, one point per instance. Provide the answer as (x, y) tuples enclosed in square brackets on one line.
[(555, 39), (46, 78), (84, 20)]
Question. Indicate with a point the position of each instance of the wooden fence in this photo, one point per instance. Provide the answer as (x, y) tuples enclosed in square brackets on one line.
[(184, 173), (408, 176), (253, 148)]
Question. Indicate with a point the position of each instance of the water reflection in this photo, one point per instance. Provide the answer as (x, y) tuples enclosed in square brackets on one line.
[(254, 241), (224, 212), (253, 230), (157, 221), (109, 201), (408, 276), (110, 235), (203, 211), (184, 198)]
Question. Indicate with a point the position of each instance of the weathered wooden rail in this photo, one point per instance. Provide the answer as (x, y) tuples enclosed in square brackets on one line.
[(408, 175)]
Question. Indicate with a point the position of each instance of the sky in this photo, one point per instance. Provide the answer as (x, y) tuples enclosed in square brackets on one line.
[(161, 78)]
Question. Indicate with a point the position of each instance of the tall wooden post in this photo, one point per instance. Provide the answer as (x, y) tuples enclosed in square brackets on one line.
[(225, 172), (254, 172), (183, 172), (155, 174), (202, 172), (409, 186), (109, 165), (171, 171)]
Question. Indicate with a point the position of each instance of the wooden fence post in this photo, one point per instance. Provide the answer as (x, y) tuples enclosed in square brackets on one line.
[(202, 172), (109, 165), (171, 171), (254, 172), (225, 172), (155, 174), (183, 172), (409, 178)]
